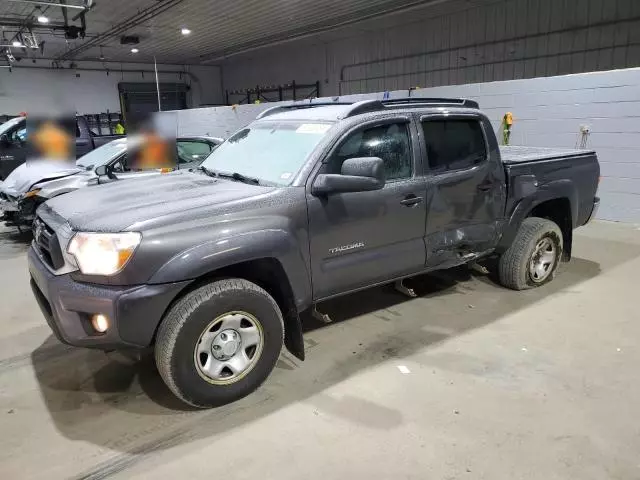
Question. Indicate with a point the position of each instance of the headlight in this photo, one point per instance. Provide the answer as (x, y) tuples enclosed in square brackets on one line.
[(103, 253), (32, 193)]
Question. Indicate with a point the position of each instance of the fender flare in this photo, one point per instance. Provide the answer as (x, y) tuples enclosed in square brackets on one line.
[(278, 244), (213, 255), (553, 190)]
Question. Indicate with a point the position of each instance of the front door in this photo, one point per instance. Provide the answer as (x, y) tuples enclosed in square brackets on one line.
[(362, 238), (14, 151), (465, 190)]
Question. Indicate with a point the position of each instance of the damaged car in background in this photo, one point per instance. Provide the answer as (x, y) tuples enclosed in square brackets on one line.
[(32, 184)]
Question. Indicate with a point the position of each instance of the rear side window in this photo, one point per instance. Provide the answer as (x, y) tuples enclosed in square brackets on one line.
[(454, 144)]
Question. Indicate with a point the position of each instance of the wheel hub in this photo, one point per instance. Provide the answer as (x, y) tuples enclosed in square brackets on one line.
[(225, 344), (228, 348), (543, 260)]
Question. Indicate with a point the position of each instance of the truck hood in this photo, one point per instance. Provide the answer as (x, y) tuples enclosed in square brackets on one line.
[(26, 175), (149, 201)]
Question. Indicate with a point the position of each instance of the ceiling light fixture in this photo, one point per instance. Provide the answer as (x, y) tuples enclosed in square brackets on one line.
[(16, 43), (185, 31), (134, 50), (43, 19)]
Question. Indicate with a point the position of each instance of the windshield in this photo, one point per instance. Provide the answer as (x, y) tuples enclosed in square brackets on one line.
[(6, 126), (102, 155), (270, 152)]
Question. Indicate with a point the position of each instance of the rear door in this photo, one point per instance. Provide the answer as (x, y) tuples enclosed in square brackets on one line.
[(362, 238), (465, 188)]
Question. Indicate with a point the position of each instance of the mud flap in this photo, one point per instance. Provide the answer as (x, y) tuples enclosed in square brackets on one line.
[(293, 334)]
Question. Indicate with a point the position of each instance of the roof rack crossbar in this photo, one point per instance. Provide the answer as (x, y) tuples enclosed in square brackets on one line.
[(372, 105), (462, 102)]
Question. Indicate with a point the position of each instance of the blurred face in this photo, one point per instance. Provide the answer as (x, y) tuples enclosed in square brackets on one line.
[(52, 141), (155, 152)]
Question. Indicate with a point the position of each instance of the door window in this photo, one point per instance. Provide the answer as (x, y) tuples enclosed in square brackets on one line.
[(18, 136), (122, 165), (390, 142), (454, 144)]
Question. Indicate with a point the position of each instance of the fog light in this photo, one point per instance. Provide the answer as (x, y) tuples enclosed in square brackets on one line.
[(100, 323)]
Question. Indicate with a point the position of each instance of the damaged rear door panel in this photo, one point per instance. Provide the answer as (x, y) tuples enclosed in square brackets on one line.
[(466, 190)]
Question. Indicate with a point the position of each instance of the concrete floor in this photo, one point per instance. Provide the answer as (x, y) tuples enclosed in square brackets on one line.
[(502, 385)]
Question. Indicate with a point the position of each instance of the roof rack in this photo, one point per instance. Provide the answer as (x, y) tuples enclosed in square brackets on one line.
[(365, 106), (375, 105)]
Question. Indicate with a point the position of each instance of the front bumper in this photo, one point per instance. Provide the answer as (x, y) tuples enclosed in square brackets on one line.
[(18, 213), (134, 312), (8, 205)]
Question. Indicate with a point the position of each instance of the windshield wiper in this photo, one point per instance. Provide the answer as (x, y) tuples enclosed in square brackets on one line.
[(211, 173), (230, 175), (239, 177)]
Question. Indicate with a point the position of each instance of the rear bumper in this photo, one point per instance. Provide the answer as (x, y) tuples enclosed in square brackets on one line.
[(594, 210), (134, 312)]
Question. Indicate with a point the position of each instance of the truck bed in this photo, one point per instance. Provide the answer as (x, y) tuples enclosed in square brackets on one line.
[(516, 154), (560, 172)]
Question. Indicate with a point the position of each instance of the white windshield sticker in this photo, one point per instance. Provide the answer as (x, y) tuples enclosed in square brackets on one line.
[(316, 128), (285, 176)]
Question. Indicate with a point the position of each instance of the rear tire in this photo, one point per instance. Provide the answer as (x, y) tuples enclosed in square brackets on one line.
[(219, 342), (533, 258)]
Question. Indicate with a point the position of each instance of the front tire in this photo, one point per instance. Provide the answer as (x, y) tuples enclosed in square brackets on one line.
[(219, 342), (533, 257)]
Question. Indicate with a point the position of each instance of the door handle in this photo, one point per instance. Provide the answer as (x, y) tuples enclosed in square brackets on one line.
[(411, 200), (485, 187)]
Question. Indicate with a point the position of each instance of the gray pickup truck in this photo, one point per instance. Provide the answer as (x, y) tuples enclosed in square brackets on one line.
[(310, 201)]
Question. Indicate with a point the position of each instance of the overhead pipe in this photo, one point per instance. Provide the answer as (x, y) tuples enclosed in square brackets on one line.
[(51, 4), (107, 70)]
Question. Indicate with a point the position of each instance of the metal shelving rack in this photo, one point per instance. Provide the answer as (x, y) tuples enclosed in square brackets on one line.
[(273, 93)]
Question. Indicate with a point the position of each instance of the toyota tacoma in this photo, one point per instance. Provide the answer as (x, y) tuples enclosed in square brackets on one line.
[(312, 200)]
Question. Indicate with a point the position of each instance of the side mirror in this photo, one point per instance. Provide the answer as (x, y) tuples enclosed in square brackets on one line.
[(102, 170), (358, 175), (4, 141)]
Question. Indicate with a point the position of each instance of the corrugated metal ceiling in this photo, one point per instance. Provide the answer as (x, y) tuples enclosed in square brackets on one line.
[(219, 28)]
